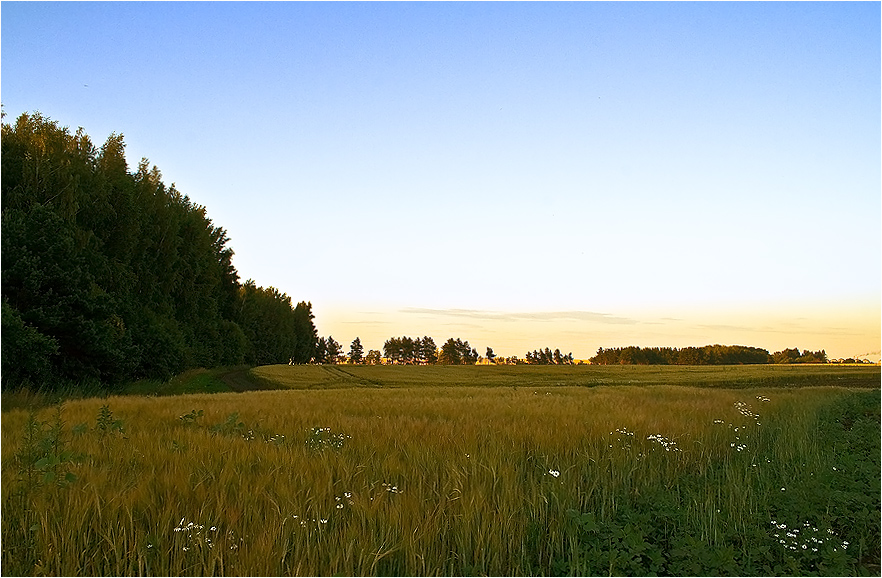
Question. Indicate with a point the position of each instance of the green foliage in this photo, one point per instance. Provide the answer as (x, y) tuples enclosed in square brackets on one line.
[(304, 329), (457, 352), (43, 462), (191, 381), (356, 351), (794, 356), (825, 521), (110, 275), (409, 350), (190, 418), (707, 355), (106, 424), (27, 353), (43, 457), (230, 426), (327, 350), (547, 357), (270, 325)]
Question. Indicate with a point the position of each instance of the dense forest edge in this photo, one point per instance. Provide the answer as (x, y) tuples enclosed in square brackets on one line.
[(109, 277)]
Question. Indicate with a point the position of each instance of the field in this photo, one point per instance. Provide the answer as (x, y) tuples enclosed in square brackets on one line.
[(455, 471)]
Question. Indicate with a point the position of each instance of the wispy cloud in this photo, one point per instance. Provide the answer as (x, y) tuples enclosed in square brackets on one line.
[(478, 314), (783, 328)]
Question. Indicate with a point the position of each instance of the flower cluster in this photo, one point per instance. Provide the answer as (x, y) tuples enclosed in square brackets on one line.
[(555, 473), (193, 536), (303, 522), (745, 410), (624, 442), (737, 443), (807, 538), (667, 443), (392, 489), (277, 439), (320, 438), (339, 500), (625, 438)]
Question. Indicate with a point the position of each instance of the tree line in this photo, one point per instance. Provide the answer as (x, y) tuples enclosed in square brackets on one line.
[(707, 355), (423, 351), (399, 351), (547, 357), (109, 275)]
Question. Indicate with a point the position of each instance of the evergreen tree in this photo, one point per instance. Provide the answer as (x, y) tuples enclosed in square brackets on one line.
[(428, 351), (305, 331), (321, 351), (356, 351), (332, 350)]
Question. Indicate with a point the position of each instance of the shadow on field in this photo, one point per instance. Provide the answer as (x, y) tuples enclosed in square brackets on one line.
[(242, 380)]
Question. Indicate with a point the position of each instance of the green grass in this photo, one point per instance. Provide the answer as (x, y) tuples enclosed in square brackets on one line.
[(193, 381), (451, 471), (730, 376)]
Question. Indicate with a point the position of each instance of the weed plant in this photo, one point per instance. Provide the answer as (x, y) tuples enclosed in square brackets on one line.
[(457, 480)]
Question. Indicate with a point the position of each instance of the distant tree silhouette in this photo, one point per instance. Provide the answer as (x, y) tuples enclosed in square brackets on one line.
[(356, 351)]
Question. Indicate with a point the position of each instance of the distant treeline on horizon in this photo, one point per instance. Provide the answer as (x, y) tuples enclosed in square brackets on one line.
[(423, 351), (707, 355)]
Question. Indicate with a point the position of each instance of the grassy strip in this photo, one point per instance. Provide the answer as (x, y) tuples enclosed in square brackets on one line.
[(730, 376), (225, 379), (192, 381)]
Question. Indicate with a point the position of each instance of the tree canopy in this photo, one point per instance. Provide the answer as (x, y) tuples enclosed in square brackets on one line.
[(408, 350), (110, 275), (457, 352), (707, 355)]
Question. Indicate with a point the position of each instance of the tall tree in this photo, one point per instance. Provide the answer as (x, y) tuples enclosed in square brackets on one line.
[(321, 351), (451, 353), (356, 351), (457, 352), (307, 336), (428, 351), (332, 350)]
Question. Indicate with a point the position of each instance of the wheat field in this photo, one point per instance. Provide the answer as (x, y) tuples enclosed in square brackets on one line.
[(429, 480)]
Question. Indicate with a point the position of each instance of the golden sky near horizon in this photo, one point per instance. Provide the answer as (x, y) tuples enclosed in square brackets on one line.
[(845, 330)]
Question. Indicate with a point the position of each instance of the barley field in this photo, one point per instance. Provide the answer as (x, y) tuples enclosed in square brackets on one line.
[(454, 471)]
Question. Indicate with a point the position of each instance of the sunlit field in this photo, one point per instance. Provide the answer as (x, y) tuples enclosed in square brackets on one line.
[(363, 474)]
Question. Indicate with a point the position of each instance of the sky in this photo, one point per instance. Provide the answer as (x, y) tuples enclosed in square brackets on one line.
[(518, 175)]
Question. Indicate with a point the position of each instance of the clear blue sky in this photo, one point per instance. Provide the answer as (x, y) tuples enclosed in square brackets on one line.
[(519, 175)]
